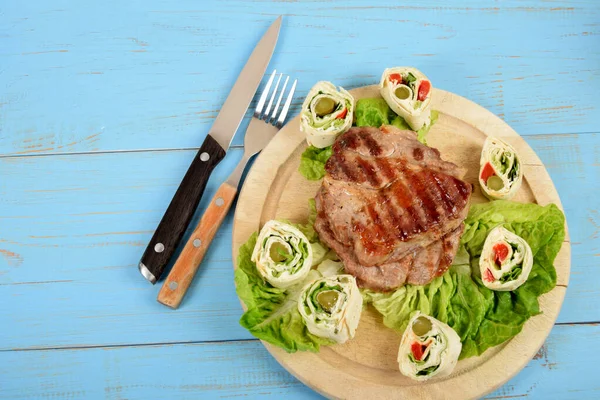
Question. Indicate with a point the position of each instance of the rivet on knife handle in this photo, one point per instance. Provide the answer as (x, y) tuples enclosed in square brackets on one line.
[(187, 264), (179, 213)]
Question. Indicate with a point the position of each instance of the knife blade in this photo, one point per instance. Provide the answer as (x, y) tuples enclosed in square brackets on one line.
[(176, 219)]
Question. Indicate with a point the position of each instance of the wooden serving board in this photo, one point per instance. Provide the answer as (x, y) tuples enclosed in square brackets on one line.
[(365, 367)]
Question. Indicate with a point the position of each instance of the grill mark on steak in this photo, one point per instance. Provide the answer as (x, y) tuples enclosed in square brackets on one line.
[(418, 153), (417, 222), (386, 241), (391, 208), (347, 141), (383, 165), (347, 170), (446, 199), (368, 170), (427, 198), (372, 145), (405, 209), (436, 194), (453, 193), (392, 219)]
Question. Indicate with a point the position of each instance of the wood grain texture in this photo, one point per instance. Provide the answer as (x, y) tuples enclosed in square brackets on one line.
[(151, 74), (87, 77), (245, 369), (366, 366), (187, 264)]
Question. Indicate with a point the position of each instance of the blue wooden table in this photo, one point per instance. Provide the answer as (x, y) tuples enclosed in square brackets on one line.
[(103, 105)]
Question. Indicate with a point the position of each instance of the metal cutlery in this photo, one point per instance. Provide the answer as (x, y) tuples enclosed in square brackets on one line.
[(176, 219), (263, 126)]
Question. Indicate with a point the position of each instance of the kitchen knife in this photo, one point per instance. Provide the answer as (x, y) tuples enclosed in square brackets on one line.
[(261, 130), (176, 219)]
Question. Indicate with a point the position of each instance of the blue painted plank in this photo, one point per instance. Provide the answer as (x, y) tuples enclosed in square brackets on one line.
[(147, 75), (85, 77), (573, 162), (72, 229), (208, 371), (232, 369)]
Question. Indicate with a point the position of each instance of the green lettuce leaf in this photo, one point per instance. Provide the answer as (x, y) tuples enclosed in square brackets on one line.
[(312, 162), (272, 313), (483, 318), (372, 112), (376, 112)]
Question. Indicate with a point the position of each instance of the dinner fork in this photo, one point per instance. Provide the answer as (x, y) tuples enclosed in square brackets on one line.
[(265, 123)]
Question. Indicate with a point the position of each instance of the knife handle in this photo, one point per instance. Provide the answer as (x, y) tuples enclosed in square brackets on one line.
[(179, 279), (176, 219)]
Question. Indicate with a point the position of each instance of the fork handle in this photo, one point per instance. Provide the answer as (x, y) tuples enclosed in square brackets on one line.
[(179, 279)]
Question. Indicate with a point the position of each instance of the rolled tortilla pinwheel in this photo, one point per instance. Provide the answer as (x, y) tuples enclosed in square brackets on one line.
[(408, 93), (500, 172), (428, 348), (326, 113), (282, 254), (506, 260), (331, 307)]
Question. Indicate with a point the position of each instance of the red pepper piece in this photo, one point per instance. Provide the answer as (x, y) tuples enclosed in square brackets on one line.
[(487, 171), (424, 89), (489, 276), (396, 78), (342, 115), (417, 350), (501, 252)]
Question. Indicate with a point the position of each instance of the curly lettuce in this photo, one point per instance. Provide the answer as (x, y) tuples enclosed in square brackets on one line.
[(312, 162)]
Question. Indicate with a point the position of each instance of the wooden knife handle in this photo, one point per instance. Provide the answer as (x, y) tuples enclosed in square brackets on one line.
[(177, 218), (179, 279)]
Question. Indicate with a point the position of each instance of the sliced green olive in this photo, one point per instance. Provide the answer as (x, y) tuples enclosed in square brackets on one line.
[(402, 92), (328, 299), (324, 106), (278, 252), (421, 326), (495, 183)]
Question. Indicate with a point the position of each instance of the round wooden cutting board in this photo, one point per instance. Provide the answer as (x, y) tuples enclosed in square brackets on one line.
[(365, 367)]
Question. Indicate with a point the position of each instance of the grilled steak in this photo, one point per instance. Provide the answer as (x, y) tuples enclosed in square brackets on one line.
[(391, 207)]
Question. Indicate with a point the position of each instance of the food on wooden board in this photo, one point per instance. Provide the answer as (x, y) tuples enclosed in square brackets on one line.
[(506, 260), (283, 255), (391, 208), (408, 92), (428, 348), (326, 113), (392, 211), (331, 307), (500, 172)]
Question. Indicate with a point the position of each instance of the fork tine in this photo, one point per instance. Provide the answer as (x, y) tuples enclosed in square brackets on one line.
[(263, 96), (266, 114), (272, 118), (286, 107)]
